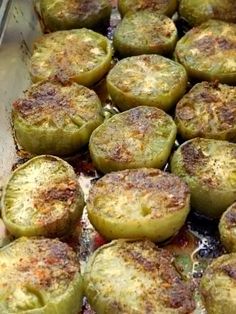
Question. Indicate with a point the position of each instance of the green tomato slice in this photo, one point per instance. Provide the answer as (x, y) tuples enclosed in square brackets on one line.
[(208, 110), (227, 228), (139, 137), (70, 14), (42, 197), (56, 119), (135, 277), (146, 80), (208, 52), (166, 7), (145, 32), (218, 285), (39, 276), (199, 11), (80, 56), (138, 203), (209, 168)]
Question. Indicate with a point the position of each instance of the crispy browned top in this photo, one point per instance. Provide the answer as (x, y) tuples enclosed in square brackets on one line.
[(74, 8), (57, 105), (211, 162), (223, 265), (208, 108), (47, 201), (47, 264), (133, 135), (193, 157), (165, 190), (148, 4), (167, 291)]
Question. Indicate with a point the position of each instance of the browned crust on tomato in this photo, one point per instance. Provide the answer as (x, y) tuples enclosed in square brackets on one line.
[(51, 101), (154, 181), (158, 263), (66, 192), (140, 123), (151, 4), (214, 100), (193, 157), (43, 262)]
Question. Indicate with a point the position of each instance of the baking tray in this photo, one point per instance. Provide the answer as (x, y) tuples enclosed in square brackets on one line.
[(195, 245)]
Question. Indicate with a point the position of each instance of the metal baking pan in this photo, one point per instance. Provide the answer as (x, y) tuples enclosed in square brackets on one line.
[(195, 245)]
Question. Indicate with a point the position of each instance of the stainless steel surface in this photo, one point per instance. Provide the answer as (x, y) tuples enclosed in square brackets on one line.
[(22, 27), (4, 9)]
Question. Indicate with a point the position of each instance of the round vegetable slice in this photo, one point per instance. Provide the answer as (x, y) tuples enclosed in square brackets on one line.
[(218, 285), (69, 14), (138, 203), (80, 56), (39, 276), (227, 228), (145, 32), (199, 11), (166, 7), (208, 110), (56, 119), (146, 80), (135, 277), (209, 168), (208, 52), (42, 197), (139, 137)]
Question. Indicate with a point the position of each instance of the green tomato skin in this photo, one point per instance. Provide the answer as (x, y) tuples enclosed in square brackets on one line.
[(63, 66), (162, 100), (217, 285), (57, 227), (69, 302), (195, 111), (105, 163), (165, 101), (125, 6), (204, 57), (59, 142), (150, 42), (207, 200), (71, 305), (124, 222), (199, 11), (63, 18), (227, 229)]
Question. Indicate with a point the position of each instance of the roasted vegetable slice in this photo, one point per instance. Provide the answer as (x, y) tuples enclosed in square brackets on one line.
[(80, 56), (69, 14), (39, 276), (56, 119), (42, 197), (145, 32), (199, 11), (138, 203), (227, 228), (146, 80), (166, 7), (218, 285), (135, 277), (208, 52), (208, 110), (139, 137), (209, 168)]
